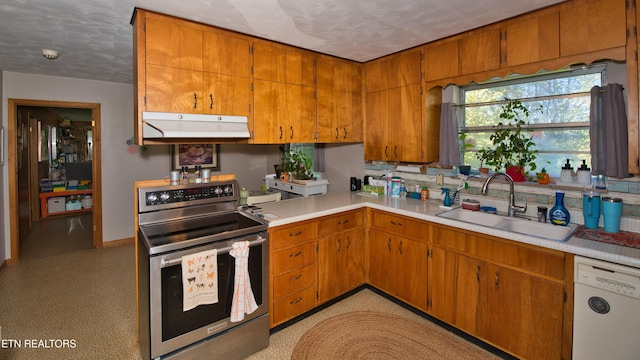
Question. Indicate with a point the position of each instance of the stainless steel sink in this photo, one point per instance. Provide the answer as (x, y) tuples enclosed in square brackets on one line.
[(518, 225)]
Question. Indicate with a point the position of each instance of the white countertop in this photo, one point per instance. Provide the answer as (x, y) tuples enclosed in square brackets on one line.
[(299, 209)]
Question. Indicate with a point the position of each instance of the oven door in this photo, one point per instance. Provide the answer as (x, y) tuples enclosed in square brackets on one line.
[(171, 328)]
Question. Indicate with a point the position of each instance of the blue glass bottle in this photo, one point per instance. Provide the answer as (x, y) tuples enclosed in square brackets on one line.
[(559, 214)]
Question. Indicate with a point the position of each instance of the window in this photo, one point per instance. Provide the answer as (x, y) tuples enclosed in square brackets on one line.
[(560, 130)]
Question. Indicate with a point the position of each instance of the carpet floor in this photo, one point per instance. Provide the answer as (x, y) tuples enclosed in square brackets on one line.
[(86, 297)]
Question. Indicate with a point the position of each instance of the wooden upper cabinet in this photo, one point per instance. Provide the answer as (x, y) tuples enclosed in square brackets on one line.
[(339, 100), (173, 90), (173, 43), (393, 71), (339, 74), (300, 121), (377, 125), (441, 60), (594, 25), (300, 67), (532, 40), (479, 51), (226, 53), (270, 109), (269, 61), (227, 95)]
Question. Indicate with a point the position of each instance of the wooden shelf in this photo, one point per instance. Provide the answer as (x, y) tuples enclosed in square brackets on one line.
[(46, 195)]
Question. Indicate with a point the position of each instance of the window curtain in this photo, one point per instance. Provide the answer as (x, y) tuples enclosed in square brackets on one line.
[(318, 158), (449, 145), (608, 132)]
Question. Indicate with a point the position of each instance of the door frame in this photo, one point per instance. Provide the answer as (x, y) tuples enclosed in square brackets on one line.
[(96, 169)]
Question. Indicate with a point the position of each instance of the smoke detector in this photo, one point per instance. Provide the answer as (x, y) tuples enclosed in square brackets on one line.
[(50, 54)]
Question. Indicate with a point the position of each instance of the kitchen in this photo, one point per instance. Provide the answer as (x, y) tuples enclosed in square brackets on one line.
[(116, 227)]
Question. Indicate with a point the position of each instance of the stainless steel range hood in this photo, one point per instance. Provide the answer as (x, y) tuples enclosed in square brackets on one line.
[(159, 125)]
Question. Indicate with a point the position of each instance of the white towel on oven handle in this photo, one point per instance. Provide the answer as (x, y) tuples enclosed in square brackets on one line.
[(243, 300), (199, 279)]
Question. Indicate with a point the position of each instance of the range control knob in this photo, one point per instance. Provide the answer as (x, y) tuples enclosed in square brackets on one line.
[(151, 198), (164, 197), (217, 191), (227, 189)]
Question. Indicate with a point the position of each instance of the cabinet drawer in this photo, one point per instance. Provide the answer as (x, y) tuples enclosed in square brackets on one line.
[(524, 257), (293, 281), (400, 225), (282, 237), (340, 222), (293, 305), (293, 258)]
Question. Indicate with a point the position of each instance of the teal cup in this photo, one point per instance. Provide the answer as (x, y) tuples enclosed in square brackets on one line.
[(611, 212)]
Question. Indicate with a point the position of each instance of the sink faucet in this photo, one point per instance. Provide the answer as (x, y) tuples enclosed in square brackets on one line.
[(513, 209)]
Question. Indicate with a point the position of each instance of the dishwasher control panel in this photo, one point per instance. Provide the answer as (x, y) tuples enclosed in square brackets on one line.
[(615, 278)]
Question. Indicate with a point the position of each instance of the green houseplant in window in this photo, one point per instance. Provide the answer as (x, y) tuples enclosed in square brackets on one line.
[(514, 149), (299, 164)]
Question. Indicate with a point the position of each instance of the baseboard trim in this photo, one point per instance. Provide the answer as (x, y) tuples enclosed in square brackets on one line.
[(113, 243)]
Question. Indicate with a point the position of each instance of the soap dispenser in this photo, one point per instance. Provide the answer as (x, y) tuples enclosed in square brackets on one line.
[(566, 175), (584, 174)]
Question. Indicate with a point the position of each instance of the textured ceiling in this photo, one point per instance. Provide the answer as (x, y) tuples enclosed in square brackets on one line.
[(94, 37)]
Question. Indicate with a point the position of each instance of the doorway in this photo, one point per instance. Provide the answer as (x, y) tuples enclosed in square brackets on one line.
[(16, 131)]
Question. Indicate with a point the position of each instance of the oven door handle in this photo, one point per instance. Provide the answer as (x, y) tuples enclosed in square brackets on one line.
[(167, 263)]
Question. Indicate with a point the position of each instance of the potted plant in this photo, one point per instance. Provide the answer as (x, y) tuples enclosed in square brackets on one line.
[(514, 149), (299, 164), (486, 156)]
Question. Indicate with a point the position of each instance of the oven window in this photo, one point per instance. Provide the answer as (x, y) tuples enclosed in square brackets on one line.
[(176, 322)]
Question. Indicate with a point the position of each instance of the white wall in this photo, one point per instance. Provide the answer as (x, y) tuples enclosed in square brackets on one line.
[(343, 161)]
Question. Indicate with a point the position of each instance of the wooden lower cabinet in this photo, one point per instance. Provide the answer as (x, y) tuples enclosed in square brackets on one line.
[(473, 286), (293, 270), (340, 263), (398, 266)]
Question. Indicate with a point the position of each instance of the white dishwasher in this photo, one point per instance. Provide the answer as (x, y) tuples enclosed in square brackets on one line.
[(606, 319)]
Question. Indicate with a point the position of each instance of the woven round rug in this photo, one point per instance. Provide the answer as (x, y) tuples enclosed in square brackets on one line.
[(377, 335)]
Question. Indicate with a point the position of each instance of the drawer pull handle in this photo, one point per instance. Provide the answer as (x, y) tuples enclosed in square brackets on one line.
[(478, 273), (497, 281), (295, 278), (348, 242), (389, 244), (342, 222), (296, 234), (295, 301), (396, 223), (339, 245), (296, 254), (400, 247)]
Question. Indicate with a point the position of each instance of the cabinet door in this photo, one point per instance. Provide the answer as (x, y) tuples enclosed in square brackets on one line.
[(355, 258), (376, 75), (227, 94), (226, 53), (339, 74), (533, 40), (300, 121), (269, 102), (339, 116), (471, 296), (411, 271), (524, 314), (480, 52), (376, 146), (405, 124), (442, 271), (269, 61), (331, 278), (596, 25), (404, 68), (174, 90), (300, 66), (441, 60), (382, 260), (173, 43)]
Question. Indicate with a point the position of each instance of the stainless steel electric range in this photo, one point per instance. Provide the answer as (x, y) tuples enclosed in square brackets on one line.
[(176, 222)]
